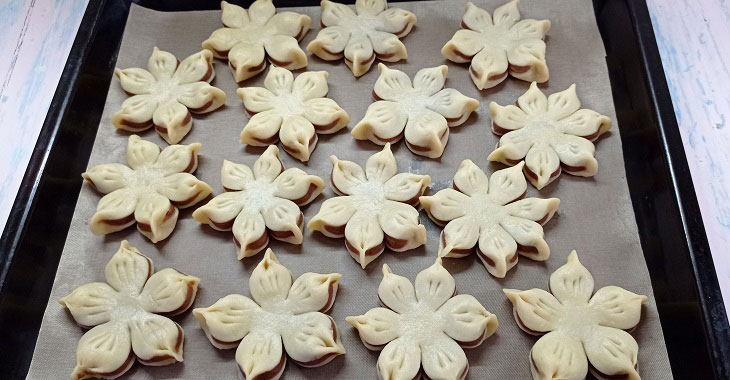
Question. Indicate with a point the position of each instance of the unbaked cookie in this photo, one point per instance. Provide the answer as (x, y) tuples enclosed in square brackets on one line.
[(291, 110), (484, 213), (499, 45), (371, 31), (128, 316), (166, 93), (284, 318), (259, 33), (375, 209), (260, 203), (423, 326), (149, 191), (422, 111), (582, 333), (551, 134)]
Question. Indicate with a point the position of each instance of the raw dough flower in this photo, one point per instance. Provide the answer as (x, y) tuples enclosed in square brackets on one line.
[(579, 326), (375, 209), (482, 212), (424, 109), (550, 134), (423, 326), (250, 37), (166, 93), (149, 191), (129, 314), (280, 311), (260, 203), (291, 110), (499, 45), (373, 31)]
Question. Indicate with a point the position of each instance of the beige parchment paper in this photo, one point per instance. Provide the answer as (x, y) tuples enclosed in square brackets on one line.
[(595, 217)]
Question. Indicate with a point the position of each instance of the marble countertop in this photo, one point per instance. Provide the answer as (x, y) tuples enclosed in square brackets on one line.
[(692, 36)]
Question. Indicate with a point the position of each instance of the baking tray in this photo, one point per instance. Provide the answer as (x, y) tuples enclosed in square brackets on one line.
[(670, 226)]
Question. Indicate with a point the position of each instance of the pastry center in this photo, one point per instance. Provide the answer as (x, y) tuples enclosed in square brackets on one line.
[(420, 323), (288, 105), (362, 25), (257, 194), (413, 102), (497, 37), (252, 33), (127, 307), (164, 90), (145, 178), (483, 208), (369, 196), (541, 127), (577, 320)]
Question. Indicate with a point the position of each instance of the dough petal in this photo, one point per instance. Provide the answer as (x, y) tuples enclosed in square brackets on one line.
[(470, 180), (563, 103), (509, 117), (108, 177), (262, 128), (458, 237), (577, 155), (359, 54), (312, 339), (200, 97), (268, 166), (235, 176), (135, 80), (222, 41), (195, 68), (400, 360), (370, 7), (128, 269), (406, 187), (391, 83), (384, 122), (279, 81), (612, 352), (427, 133), (296, 185), (233, 16), (507, 14), (572, 282), (558, 356), (617, 307), (136, 113), (387, 46), (364, 237), (313, 292), (326, 115), (284, 51), (335, 13), (402, 227), (585, 123), (434, 286), (377, 327), (220, 212), (533, 101), (529, 235), (297, 136), (346, 175), (497, 250), (430, 80), (445, 205), (330, 42), (476, 18), (444, 359), (529, 53), (270, 281), (161, 64), (169, 292), (310, 85), (155, 211), (536, 209), (543, 163), (529, 28), (397, 21), (396, 292), (141, 152), (291, 24), (261, 352), (513, 146), (256, 99), (248, 228), (228, 320), (184, 189), (453, 105), (506, 185), (104, 349), (334, 213), (381, 166), (488, 68), (156, 340), (463, 46), (283, 219), (172, 121), (467, 321), (261, 11), (116, 206), (178, 159), (536, 310), (91, 304), (246, 60)]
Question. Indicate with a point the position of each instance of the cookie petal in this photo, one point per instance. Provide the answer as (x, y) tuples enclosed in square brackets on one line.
[(427, 134), (563, 103), (476, 18), (161, 64), (397, 21), (135, 80), (326, 115), (497, 250), (470, 180), (114, 212), (542, 165), (233, 16), (228, 320), (183, 189), (512, 147), (383, 123), (444, 359), (507, 14), (262, 129), (529, 237), (296, 185), (179, 159), (533, 100), (558, 356), (377, 327), (387, 46), (536, 209), (310, 85), (453, 105), (577, 155), (91, 304), (195, 68), (430, 80), (173, 121), (291, 24), (169, 292), (406, 187), (105, 349), (364, 239), (402, 226), (128, 269), (261, 11), (235, 176), (612, 352), (313, 292), (506, 185), (530, 54), (256, 99), (108, 177), (585, 123), (434, 286), (396, 292), (335, 13), (535, 310), (400, 360), (463, 46), (330, 42), (246, 60), (284, 51), (370, 7), (391, 83), (467, 321), (458, 238), (268, 166), (284, 220), (346, 175), (381, 166), (279, 81), (572, 282), (298, 137), (249, 233), (156, 340), (141, 152), (200, 97), (156, 216), (445, 205), (269, 281), (617, 307), (312, 339), (359, 54), (531, 29), (261, 354), (136, 113), (222, 41), (507, 118), (332, 216), (220, 212), (488, 68)]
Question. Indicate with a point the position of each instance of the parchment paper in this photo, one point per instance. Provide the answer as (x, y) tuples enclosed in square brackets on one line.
[(595, 217)]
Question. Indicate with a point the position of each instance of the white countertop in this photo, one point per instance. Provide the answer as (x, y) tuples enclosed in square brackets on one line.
[(692, 35)]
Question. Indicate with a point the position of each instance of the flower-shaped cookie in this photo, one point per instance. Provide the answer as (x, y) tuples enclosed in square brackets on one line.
[(291, 110), (423, 326), (280, 311), (482, 212), (424, 109), (166, 93), (260, 203), (128, 316), (375, 209), (499, 45), (251, 37), (149, 191), (373, 31), (550, 134), (579, 326)]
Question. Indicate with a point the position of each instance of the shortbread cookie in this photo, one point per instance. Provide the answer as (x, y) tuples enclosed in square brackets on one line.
[(550, 134), (484, 213), (260, 203), (166, 93), (422, 111), (582, 333), (128, 316), (291, 110), (149, 191), (375, 209), (423, 326), (250, 37), (371, 31), (284, 318), (499, 45)]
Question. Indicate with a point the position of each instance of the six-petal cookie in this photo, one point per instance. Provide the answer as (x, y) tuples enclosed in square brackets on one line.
[(425, 326), (375, 209), (372, 30), (127, 316), (582, 333), (149, 191), (499, 45), (422, 111), (484, 212), (285, 317), (291, 110), (260, 203), (551, 134), (166, 93), (249, 37)]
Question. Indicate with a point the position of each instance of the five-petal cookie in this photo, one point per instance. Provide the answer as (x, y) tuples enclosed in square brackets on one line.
[(498, 45), (484, 212), (127, 316), (166, 93), (149, 191), (372, 30), (249, 37), (291, 110), (425, 326), (260, 203), (285, 317), (422, 111), (551, 134), (582, 333), (375, 209)]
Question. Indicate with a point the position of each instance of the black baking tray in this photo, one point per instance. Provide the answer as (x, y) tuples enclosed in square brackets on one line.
[(672, 234)]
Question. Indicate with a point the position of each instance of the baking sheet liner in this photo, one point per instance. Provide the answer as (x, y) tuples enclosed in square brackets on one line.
[(595, 216)]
